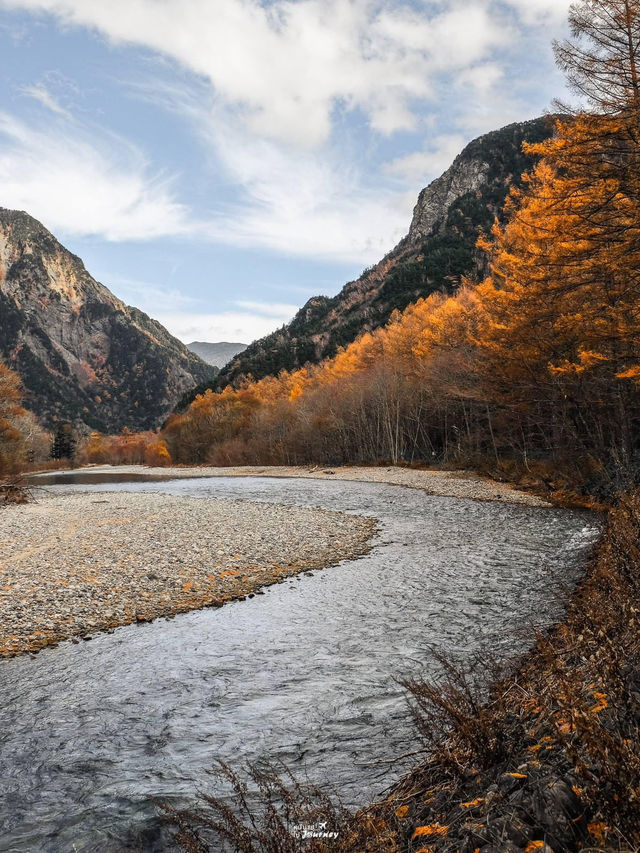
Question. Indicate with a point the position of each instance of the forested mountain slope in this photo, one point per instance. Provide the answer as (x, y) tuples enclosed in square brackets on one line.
[(439, 248)]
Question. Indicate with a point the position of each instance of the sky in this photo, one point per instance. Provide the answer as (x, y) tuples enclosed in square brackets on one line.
[(218, 162)]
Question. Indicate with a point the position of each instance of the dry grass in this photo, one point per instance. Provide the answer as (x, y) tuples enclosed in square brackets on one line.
[(265, 811)]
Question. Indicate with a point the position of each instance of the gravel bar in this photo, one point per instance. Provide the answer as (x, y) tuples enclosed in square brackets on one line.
[(71, 565)]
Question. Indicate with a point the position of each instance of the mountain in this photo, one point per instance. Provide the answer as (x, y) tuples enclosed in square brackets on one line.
[(439, 248), (216, 354), (82, 354)]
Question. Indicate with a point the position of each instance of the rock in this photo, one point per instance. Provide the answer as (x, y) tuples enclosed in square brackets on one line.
[(510, 828), (559, 813), (508, 782), (492, 795)]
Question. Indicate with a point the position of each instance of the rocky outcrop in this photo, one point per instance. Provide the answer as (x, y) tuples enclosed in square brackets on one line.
[(439, 248), (82, 354), (466, 175)]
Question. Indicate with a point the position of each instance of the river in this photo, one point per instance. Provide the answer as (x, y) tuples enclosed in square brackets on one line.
[(93, 734)]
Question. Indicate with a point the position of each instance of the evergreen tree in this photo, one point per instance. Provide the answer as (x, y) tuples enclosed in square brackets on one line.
[(64, 442)]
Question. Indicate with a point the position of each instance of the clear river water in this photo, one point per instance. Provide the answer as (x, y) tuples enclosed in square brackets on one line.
[(93, 734)]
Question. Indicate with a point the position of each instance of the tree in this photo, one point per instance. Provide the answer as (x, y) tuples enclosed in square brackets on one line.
[(600, 61), (564, 295), (64, 441), (11, 437)]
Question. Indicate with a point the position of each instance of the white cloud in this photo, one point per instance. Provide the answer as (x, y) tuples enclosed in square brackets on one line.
[(287, 64), (41, 94), (79, 184), (294, 202), (460, 36), (246, 321), (276, 79), (82, 182), (240, 325), (150, 298), (541, 11), (426, 165), (482, 80)]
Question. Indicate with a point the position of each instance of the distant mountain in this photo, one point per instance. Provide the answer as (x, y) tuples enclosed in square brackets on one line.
[(439, 248), (83, 355), (216, 354)]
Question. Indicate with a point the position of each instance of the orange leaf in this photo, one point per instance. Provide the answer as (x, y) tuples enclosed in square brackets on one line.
[(431, 829)]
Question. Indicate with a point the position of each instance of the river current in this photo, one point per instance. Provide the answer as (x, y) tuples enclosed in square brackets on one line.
[(93, 734)]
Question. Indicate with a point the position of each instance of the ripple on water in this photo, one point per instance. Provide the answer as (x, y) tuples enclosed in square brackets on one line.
[(93, 734)]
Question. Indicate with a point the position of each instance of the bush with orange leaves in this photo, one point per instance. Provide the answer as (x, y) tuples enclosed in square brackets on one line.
[(156, 454)]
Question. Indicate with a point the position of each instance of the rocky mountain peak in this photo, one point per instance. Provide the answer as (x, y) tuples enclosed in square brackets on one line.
[(482, 161), (464, 176)]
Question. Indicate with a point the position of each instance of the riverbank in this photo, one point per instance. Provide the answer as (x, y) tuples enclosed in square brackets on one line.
[(71, 565), (551, 762), (455, 484)]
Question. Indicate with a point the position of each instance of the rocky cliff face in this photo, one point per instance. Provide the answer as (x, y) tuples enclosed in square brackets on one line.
[(439, 248), (468, 174), (82, 354)]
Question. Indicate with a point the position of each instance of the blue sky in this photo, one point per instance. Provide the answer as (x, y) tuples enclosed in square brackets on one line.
[(218, 162)]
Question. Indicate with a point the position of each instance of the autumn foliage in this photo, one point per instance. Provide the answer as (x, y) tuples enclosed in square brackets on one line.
[(128, 448), (533, 373), (534, 367), (22, 440), (10, 409)]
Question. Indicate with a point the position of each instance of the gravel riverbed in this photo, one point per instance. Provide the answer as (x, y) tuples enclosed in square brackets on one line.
[(71, 565), (454, 484), (74, 564)]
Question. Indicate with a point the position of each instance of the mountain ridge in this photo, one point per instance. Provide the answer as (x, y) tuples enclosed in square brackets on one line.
[(217, 353), (438, 249), (82, 354)]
